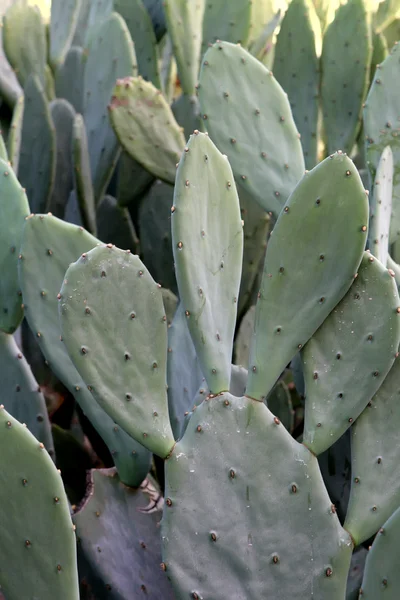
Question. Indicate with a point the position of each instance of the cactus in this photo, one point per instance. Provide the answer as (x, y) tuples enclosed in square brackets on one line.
[(348, 358), (112, 511), (111, 54), (375, 462), (332, 190), (216, 247), (230, 22), (381, 575), (258, 135), (37, 161), (296, 68), (64, 19), (14, 209), (24, 22), (69, 78), (82, 176), (21, 394), (44, 544), (184, 22), (381, 207), (342, 100), (14, 136), (141, 29), (381, 113), (48, 247), (135, 102), (114, 224), (63, 116)]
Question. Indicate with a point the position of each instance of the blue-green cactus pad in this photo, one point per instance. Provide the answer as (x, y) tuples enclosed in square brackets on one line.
[(248, 117), (37, 545), (118, 343), (63, 22), (49, 245), (69, 78), (207, 233), (242, 497), (312, 257), (381, 207), (375, 488), (348, 358), (14, 208)]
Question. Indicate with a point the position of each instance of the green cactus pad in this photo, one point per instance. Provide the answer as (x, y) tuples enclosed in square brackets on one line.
[(14, 208), (110, 55), (184, 375), (3, 149), (184, 22), (14, 135), (91, 14), (207, 231), (37, 551), (21, 394), (82, 174), (381, 579), (235, 526), (375, 488), (112, 513), (296, 67), (49, 245), (263, 46), (69, 78), (24, 40), (141, 29), (248, 117), (255, 230), (114, 224), (146, 127), (381, 207), (63, 22), (312, 256), (132, 387), (133, 181), (37, 160), (155, 234), (379, 52), (63, 116), (347, 42), (348, 358), (228, 21), (10, 89), (381, 114)]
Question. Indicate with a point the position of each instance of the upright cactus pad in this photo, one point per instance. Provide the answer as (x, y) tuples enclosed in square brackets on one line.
[(381, 207), (381, 114), (14, 135), (184, 22), (132, 389), (230, 22), (235, 526), (375, 488), (24, 40), (345, 63), (114, 224), (49, 245), (37, 161), (248, 117), (205, 190), (141, 29), (348, 358), (82, 175), (63, 116), (69, 78), (63, 22), (110, 55), (146, 127), (21, 394), (14, 208), (312, 257), (381, 579), (296, 67), (37, 546)]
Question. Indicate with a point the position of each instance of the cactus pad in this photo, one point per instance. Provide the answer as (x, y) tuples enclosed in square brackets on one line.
[(381, 207)]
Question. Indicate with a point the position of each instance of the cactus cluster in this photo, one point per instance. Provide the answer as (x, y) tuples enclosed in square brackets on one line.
[(199, 307)]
